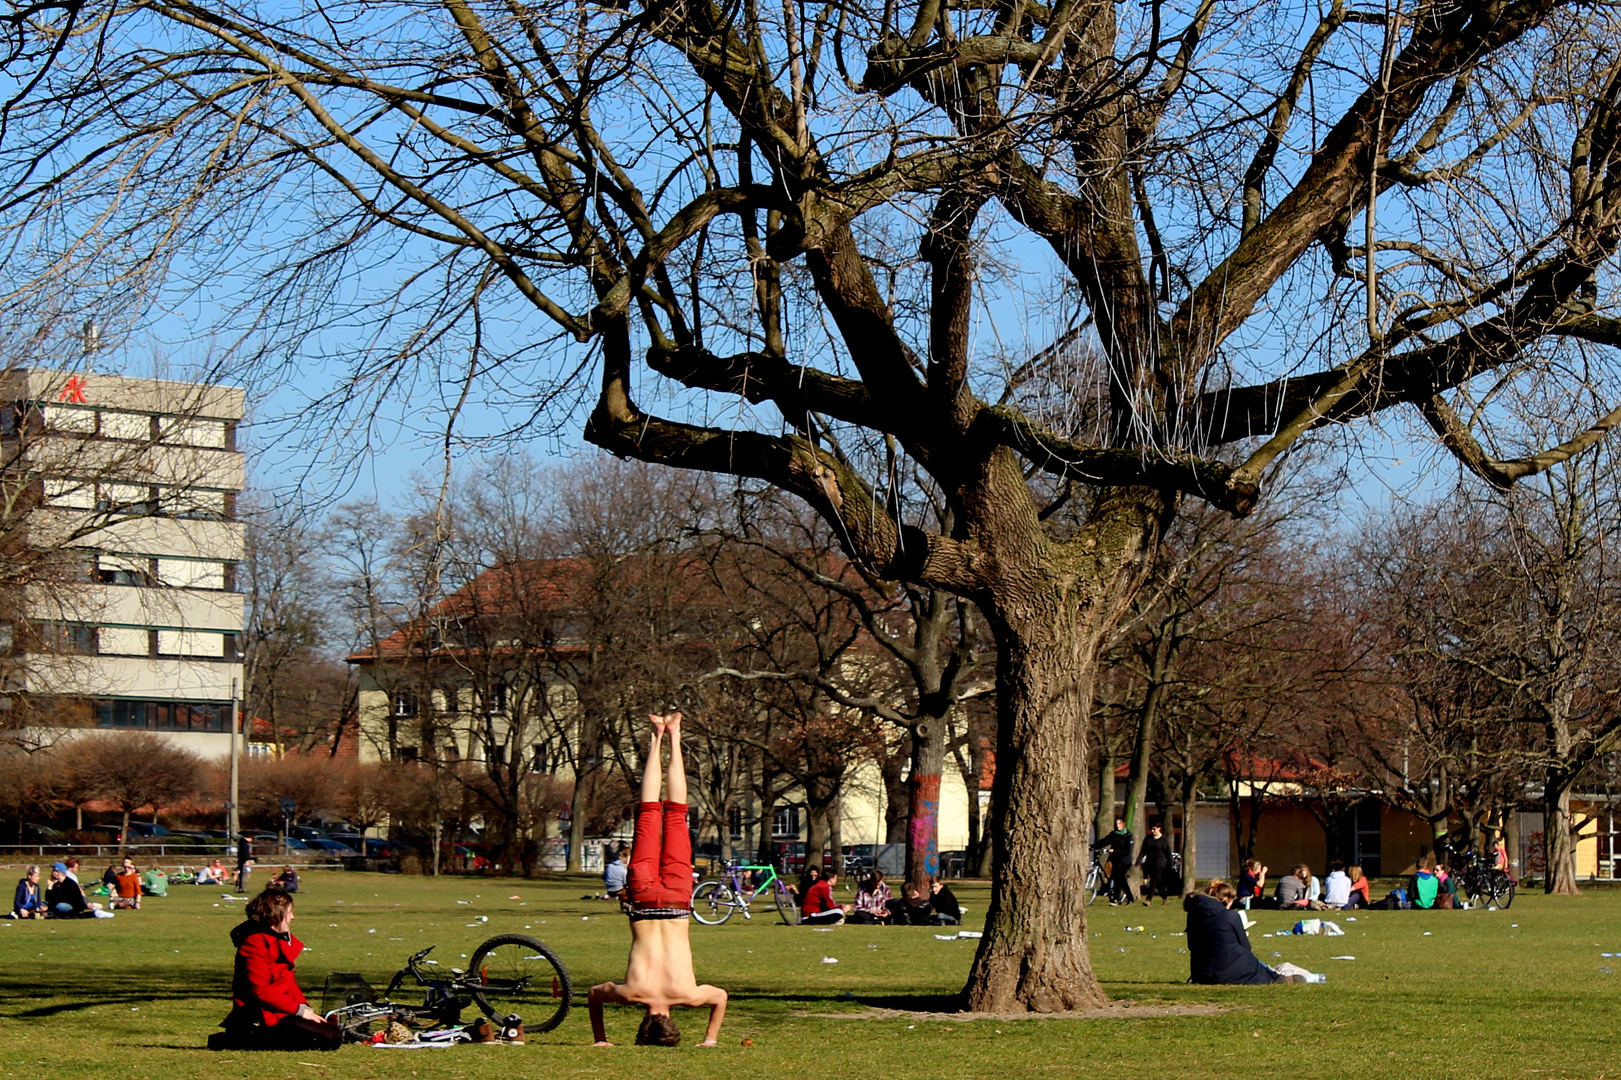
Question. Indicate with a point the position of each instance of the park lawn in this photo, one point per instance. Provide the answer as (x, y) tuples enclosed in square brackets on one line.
[(1517, 993)]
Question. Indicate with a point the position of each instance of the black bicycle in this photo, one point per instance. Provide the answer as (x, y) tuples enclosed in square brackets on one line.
[(1479, 883), (508, 975)]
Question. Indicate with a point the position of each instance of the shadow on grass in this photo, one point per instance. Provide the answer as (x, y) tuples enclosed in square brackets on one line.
[(922, 1003)]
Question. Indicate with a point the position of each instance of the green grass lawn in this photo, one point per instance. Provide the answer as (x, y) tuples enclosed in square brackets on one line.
[(1517, 993)]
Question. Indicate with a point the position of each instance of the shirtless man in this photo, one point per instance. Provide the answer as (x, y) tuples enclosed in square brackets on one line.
[(659, 974)]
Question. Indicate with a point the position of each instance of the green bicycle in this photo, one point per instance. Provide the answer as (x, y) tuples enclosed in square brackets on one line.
[(718, 899)]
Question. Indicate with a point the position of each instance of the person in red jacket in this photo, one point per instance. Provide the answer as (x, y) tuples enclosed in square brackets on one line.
[(820, 909), (269, 1011)]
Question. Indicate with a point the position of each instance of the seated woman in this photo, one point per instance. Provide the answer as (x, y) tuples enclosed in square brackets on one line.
[(287, 880), (29, 902), (268, 1010), (1361, 891), (1218, 947), (872, 901), (659, 972), (1252, 884), (126, 891), (212, 874)]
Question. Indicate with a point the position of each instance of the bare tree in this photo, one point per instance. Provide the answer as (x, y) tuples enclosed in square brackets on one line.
[(1208, 231), (132, 770)]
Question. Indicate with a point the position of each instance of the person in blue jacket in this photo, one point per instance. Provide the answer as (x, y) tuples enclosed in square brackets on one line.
[(1218, 946)]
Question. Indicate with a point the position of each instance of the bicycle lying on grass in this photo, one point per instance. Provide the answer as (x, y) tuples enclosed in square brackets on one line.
[(510, 974), (714, 901)]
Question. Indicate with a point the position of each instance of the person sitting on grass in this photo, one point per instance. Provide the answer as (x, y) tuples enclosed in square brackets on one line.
[(212, 874), (614, 874), (820, 909), (155, 883), (126, 893), (66, 899), (913, 909), (943, 902), (872, 901), (1291, 892), (287, 880), (29, 902), (1361, 888), (659, 973), (1218, 946), (1252, 884), (268, 1011)]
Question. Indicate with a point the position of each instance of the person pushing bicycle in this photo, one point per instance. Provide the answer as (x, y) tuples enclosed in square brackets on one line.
[(659, 972)]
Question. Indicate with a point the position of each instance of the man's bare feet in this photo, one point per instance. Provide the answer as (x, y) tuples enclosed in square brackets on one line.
[(672, 723), (659, 723)]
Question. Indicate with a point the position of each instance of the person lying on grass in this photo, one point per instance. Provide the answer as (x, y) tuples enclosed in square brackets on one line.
[(659, 973)]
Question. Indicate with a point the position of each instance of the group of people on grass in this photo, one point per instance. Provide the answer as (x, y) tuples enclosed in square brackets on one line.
[(1345, 889), (62, 896), (875, 904)]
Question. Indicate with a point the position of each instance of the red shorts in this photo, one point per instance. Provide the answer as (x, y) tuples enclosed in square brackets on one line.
[(661, 860)]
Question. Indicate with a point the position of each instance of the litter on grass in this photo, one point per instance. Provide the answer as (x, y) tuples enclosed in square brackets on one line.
[(970, 933), (1342, 958), (830, 959), (945, 937)]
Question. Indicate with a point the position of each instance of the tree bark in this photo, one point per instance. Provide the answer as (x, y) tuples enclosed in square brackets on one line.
[(923, 802), (1190, 832), (1558, 838)]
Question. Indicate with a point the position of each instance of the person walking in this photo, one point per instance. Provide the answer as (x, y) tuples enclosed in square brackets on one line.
[(244, 862), (1120, 844), (1156, 860)]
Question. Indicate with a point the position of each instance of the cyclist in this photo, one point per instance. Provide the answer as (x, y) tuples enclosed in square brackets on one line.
[(659, 973)]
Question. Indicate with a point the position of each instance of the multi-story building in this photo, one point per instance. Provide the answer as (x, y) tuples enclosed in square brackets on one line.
[(123, 545)]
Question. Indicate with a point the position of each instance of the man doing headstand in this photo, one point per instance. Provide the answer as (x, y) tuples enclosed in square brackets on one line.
[(659, 974)]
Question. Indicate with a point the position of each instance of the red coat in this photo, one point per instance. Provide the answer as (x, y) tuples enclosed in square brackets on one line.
[(263, 988), (819, 898)]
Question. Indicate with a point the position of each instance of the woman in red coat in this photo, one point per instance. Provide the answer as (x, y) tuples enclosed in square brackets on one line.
[(270, 1012)]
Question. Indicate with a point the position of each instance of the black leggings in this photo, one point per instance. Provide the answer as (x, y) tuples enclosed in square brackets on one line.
[(293, 1033)]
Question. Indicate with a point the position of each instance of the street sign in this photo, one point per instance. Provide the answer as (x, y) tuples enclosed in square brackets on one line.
[(289, 808)]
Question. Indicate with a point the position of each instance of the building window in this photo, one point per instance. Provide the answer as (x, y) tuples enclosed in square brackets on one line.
[(408, 753), (405, 705), (785, 822), (75, 639), (734, 822), (196, 716), (498, 700), (448, 702), (191, 574), (539, 762), (129, 427), (124, 641), (121, 714), (123, 570), (199, 643)]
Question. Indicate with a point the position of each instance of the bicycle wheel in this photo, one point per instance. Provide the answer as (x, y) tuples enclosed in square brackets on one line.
[(1503, 890), (785, 906), (713, 902), (514, 973), (1474, 890), (1094, 883)]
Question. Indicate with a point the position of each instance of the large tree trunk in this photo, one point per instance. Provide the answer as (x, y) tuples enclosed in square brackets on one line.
[(1558, 837), (815, 829), (896, 795), (1050, 622), (923, 802)]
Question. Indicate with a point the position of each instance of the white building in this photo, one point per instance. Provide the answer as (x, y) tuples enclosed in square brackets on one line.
[(132, 485)]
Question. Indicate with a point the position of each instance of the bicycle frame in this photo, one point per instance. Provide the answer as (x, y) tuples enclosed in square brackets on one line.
[(746, 897)]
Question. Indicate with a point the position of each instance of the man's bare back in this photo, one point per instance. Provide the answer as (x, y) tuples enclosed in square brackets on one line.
[(659, 973)]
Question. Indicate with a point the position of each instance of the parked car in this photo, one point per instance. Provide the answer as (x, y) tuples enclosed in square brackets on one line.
[(330, 847), (375, 847), (199, 835), (40, 834), (113, 834), (308, 832), (146, 830)]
